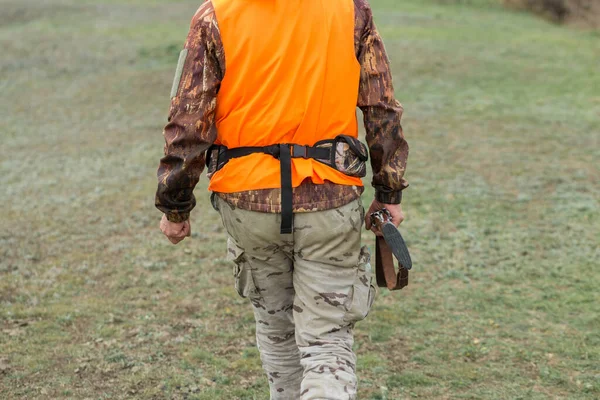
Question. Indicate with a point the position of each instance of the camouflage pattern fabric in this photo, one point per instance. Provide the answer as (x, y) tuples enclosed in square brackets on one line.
[(348, 162), (307, 197), (307, 290), (346, 159), (191, 128)]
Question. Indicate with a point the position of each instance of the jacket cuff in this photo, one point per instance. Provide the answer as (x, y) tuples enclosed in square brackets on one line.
[(388, 197), (177, 217)]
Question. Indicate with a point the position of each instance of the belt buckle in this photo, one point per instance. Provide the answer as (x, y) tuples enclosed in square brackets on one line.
[(299, 151)]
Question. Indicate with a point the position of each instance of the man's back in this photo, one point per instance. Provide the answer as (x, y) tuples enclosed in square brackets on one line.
[(291, 77)]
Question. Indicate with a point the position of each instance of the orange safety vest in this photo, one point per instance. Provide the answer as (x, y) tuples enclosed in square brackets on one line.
[(291, 77)]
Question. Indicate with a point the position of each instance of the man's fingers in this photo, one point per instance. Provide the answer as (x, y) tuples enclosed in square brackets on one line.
[(175, 235), (376, 231), (174, 240), (399, 219), (180, 234), (175, 232)]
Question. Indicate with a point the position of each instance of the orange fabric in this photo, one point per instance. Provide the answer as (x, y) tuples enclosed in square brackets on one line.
[(291, 77)]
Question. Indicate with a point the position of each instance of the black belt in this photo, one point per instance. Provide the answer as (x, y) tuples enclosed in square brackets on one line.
[(284, 153)]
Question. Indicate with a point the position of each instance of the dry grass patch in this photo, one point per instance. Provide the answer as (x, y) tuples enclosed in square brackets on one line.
[(584, 12)]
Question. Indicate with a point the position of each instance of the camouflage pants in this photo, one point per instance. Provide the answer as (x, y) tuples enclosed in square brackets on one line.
[(307, 289)]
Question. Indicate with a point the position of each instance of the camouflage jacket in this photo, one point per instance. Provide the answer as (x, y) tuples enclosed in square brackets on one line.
[(191, 128)]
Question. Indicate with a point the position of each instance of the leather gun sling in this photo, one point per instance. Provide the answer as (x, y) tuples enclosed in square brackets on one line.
[(385, 270)]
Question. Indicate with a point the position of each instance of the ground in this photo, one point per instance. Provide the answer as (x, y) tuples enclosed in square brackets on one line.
[(503, 217)]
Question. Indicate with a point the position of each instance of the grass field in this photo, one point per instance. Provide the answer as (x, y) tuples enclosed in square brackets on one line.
[(503, 213)]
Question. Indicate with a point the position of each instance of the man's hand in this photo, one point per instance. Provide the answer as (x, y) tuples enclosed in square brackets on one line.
[(394, 209), (175, 231)]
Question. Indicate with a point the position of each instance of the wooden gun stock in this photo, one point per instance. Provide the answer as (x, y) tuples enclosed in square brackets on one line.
[(387, 247)]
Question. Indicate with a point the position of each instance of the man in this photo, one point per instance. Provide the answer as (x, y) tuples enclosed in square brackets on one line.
[(266, 88)]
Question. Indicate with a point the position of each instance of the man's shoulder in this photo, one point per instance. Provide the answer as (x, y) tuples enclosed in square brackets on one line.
[(205, 13), (362, 5)]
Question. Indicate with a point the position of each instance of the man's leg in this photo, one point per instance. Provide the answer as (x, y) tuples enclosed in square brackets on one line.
[(333, 283), (263, 272)]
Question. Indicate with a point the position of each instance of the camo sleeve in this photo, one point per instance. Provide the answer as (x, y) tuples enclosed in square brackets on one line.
[(382, 112), (191, 123)]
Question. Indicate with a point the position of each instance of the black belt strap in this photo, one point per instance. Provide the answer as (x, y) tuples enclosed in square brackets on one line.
[(284, 153), (287, 215)]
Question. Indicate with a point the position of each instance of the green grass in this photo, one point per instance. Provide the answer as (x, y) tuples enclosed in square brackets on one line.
[(502, 114)]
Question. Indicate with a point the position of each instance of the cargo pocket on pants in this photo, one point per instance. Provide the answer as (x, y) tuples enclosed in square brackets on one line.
[(362, 293), (242, 272)]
